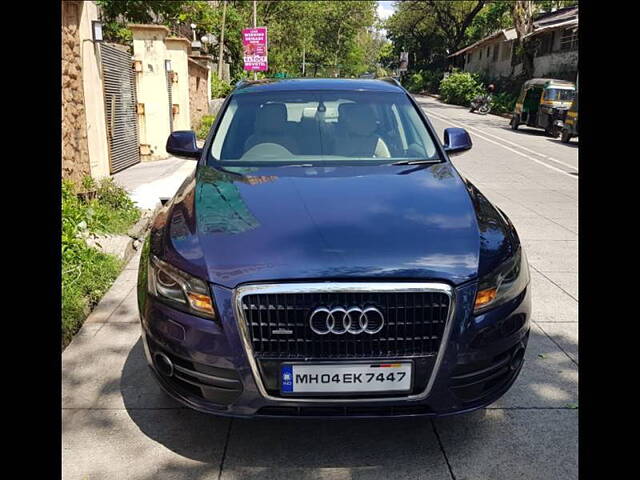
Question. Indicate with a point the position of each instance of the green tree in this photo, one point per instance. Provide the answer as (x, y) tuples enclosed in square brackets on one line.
[(116, 13), (336, 37), (522, 11), (431, 30), (494, 16)]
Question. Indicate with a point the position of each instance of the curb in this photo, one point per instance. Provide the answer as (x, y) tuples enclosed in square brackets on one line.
[(437, 97), (140, 229), (135, 235), (112, 299)]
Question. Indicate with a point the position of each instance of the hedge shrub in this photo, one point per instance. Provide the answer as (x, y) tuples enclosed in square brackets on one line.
[(503, 102), (460, 88), (423, 81), (205, 125), (86, 272), (219, 88)]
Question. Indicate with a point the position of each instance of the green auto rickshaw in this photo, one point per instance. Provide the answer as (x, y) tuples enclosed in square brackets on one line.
[(543, 103)]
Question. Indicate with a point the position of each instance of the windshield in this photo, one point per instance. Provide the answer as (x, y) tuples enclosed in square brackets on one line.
[(302, 127), (559, 94)]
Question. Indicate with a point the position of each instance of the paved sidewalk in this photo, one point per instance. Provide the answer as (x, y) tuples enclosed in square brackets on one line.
[(149, 181)]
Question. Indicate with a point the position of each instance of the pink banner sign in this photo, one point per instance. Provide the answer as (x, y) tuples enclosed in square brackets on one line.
[(254, 44)]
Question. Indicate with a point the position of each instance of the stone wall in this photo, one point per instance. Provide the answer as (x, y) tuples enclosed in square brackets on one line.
[(198, 93), (75, 149), (214, 105)]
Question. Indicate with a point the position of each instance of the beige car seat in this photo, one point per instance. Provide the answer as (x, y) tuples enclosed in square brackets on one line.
[(271, 127), (356, 135)]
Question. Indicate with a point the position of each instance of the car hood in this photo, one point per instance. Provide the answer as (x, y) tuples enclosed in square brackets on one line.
[(243, 225)]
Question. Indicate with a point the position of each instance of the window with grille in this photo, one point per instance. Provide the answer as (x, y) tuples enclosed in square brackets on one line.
[(569, 39)]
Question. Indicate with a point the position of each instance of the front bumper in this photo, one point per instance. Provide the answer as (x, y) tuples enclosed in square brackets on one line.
[(482, 358)]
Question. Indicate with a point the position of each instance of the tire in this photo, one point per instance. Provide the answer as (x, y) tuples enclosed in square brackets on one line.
[(552, 132), (472, 109), (484, 109), (514, 122), (566, 136)]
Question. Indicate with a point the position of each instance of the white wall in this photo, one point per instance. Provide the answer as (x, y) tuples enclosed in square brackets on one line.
[(151, 87), (486, 64), (556, 62), (177, 52)]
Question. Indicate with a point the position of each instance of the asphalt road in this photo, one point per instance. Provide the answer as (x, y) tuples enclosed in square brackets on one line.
[(118, 424)]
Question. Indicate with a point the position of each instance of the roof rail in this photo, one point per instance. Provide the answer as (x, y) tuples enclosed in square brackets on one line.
[(248, 81), (391, 80), (241, 83)]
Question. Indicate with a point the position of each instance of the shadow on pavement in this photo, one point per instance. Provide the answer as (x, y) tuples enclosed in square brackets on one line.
[(383, 448), (572, 143), (534, 132), (182, 430)]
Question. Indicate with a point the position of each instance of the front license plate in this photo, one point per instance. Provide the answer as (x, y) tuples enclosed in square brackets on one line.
[(346, 378)]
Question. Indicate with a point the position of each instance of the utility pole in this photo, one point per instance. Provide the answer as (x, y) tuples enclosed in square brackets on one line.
[(255, 75), (224, 12), (303, 48)]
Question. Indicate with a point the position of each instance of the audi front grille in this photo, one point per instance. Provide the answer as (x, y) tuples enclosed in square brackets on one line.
[(277, 320)]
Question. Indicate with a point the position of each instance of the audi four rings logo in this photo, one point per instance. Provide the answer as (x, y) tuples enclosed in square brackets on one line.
[(339, 320)]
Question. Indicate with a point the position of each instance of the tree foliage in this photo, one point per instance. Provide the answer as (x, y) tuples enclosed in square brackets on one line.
[(337, 38), (522, 11), (430, 30)]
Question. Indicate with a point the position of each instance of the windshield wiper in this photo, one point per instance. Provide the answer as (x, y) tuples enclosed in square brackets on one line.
[(415, 162)]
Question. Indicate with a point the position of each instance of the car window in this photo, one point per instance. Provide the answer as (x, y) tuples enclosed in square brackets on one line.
[(321, 126), (398, 124)]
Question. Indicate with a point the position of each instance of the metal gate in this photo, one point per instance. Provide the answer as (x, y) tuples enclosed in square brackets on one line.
[(169, 82), (120, 108)]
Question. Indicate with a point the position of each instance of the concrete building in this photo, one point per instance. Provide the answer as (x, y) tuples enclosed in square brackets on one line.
[(120, 102), (178, 51), (556, 34)]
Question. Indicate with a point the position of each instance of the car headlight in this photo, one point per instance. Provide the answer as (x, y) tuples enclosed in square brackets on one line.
[(179, 289), (503, 284)]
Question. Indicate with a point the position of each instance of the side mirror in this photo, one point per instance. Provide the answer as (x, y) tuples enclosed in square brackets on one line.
[(182, 143), (456, 140)]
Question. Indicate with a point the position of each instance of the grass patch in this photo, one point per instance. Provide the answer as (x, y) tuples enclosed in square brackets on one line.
[(205, 126), (104, 206), (85, 280), (87, 273)]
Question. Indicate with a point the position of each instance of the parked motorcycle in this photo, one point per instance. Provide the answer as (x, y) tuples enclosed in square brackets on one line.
[(482, 103)]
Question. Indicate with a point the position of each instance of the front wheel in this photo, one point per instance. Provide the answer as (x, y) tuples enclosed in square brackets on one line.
[(514, 123), (566, 136), (484, 109), (552, 131)]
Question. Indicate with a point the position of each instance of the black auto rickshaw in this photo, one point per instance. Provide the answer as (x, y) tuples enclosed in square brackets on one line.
[(543, 103)]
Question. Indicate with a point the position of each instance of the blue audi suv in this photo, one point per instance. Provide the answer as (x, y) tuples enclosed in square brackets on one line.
[(326, 259)]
